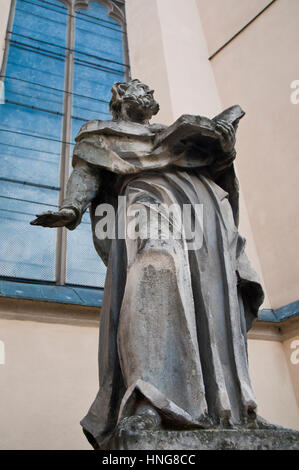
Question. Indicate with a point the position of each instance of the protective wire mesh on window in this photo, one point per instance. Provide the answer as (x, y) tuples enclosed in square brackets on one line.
[(30, 130)]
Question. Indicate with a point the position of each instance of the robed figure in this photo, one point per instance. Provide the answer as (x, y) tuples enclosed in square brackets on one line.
[(172, 348)]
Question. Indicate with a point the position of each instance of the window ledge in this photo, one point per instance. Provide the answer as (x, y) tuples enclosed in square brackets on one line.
[(92, 297), (278, 315), (86, 296)]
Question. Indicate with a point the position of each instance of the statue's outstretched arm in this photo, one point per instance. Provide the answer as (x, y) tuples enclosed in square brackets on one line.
[(82, 188)]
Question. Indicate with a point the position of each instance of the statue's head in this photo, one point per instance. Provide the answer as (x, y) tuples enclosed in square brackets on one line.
[(133, 101)]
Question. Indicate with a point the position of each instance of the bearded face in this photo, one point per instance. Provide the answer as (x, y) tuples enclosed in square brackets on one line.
[(133, 101)]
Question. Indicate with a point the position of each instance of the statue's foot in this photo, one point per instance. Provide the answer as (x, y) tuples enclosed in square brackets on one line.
[(145, 419), (226, 420), (262, 423)]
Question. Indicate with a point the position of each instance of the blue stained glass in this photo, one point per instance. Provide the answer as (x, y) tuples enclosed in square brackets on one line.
[(30, 131), (31, 121), (100, 38)]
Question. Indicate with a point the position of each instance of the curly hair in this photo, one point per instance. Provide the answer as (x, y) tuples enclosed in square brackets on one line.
[(119, 90)]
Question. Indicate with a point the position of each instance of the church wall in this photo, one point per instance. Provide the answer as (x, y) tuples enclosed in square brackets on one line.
[(183, 64), (221, 19), (48, 381), (256, 69), (49, 377), (272, 382), (291, 350), (147, 60)]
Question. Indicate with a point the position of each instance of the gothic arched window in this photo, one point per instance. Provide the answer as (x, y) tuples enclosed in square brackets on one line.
[(61, 59)]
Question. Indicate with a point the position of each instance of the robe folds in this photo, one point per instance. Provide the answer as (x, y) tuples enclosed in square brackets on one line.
[(174, 320)]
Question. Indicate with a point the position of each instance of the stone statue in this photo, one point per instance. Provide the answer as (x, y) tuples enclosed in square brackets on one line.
[(173, 349)]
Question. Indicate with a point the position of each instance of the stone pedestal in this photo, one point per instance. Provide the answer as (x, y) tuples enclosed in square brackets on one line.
[(225, 439)]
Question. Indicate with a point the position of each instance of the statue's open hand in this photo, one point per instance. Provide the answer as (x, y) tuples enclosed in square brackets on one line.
[(227, 136), (55, 219)]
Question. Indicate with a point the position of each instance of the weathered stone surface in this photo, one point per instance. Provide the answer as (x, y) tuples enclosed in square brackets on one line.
[(178, 301), (220, 439)]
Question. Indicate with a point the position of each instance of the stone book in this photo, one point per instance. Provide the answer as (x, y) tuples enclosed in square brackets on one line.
[(197, 133)]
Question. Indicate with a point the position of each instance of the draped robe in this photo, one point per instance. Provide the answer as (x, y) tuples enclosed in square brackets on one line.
[(173, 320)]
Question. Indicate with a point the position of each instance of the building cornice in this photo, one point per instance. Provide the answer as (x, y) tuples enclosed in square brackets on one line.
[(49, 312), (275, 331), (48, 302)]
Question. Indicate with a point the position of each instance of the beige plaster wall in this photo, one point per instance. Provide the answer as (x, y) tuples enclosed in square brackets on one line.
[(49, 380), (272, 383), (291, 350), (256, 70), (222, 19), (147, 58), (47, 384), (190, 76)]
